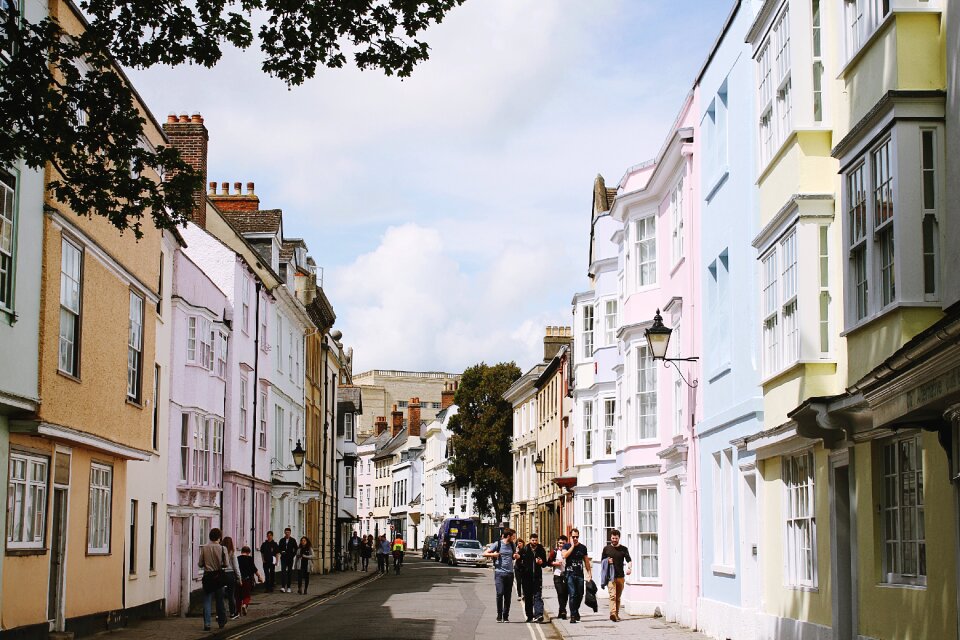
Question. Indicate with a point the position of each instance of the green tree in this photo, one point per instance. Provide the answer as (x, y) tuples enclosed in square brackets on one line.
[(63, 101), (482, 430)]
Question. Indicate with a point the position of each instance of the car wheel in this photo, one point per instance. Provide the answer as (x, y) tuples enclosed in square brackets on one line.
[(453, 562)]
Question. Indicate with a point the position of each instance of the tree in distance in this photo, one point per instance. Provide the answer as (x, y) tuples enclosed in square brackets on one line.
[(482, 429), (64, 99)]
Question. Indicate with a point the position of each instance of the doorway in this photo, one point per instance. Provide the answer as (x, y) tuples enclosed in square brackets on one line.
[(844, 600), (58, 540), (750, 549)]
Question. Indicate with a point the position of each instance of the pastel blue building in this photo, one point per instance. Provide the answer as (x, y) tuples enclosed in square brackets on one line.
[(730, 376)]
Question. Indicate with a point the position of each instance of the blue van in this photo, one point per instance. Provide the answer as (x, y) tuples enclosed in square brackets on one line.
[(454, 529)]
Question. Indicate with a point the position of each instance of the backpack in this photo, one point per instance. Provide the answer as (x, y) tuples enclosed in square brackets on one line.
[(499, 561)]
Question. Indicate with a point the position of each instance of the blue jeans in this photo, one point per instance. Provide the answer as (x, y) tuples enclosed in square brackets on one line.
[(207, 605), (575, 589), (504, 583)]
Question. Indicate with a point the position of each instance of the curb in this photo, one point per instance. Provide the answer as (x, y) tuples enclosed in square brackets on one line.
[(232, 630)]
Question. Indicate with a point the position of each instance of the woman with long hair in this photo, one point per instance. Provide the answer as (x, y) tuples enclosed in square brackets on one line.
[(518, 572), (304, 557), (233, 577), (366, 550), (248, 573)]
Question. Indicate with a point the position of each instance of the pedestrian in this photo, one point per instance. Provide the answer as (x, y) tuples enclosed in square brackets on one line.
[(556, 561), (248, 573), (532, 559), (518, 573), (383, 553), (398, 547), (576, 557), (366, 550), (269, 551), (213, 561), (232, 579), (288, 552), (304, 558), (616, 554), (354, 546), (504, 554)]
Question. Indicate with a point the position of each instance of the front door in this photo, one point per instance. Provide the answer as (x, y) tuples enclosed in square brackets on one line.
[(176, 560), (750, 543), (58, 540), (844, 602)]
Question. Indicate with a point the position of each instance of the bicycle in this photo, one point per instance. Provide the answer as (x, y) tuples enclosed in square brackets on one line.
[(397, 561)]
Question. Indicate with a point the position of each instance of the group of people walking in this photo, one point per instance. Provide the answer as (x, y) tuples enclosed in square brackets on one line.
[(569, 561), (362, 548), (228, 579)]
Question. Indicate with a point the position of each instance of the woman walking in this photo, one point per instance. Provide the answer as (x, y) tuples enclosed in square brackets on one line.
[(248, 572), (518, 572), (232, 572), (366, 550), (304, 558)]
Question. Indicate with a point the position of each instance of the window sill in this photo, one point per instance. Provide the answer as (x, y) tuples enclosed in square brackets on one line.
[(134, 403), (97, 554), (69, 376), (723, 570), (676, 265), (890, 308), (867, 44), (801, 588), (647, 582), (39, 551), (902, 585), (790, 368), (718, 182), (131, 576), (719, 372), (9, 316)]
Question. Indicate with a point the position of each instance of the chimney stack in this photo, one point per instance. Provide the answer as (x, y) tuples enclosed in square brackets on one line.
[(555, 339), (396, 421), (380, 424), (413, 419), (446, 397), (236, 201), (189, 136)]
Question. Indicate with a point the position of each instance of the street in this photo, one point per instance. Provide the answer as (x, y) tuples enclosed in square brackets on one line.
[(428, 600)]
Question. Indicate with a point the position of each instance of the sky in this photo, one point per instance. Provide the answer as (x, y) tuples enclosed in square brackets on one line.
[(450, 211)]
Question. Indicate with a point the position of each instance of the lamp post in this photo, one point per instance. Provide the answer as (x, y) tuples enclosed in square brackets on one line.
[(658, 340), (298, 455)]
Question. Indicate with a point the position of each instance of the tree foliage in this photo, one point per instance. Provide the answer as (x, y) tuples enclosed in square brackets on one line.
[(482, 430), (63, 101)]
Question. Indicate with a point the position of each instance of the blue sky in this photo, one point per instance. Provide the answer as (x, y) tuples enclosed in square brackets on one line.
[(450, 210)]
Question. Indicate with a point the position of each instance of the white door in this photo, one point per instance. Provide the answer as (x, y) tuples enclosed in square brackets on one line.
[(749, 544), (675, 587)]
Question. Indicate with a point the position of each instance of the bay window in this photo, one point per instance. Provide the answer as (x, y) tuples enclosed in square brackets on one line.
[(781, 325), (676, 221), (645, 251), (775, 82)]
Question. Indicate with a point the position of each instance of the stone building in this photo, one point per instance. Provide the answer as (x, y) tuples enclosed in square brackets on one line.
[(385, 388)]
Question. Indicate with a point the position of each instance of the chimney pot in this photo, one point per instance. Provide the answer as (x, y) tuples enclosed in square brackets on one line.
[(196, 118), (250, 189), (184, 117), (225, 187), (237, 189), (171, 117), (213, 188)]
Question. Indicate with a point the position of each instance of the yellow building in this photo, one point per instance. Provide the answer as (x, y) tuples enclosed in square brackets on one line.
[(64, 557)]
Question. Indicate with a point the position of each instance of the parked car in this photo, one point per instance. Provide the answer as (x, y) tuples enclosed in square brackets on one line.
[(430, 548), (466, 552)]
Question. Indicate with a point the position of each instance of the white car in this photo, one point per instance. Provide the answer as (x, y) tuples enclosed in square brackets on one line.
[(466, 552)]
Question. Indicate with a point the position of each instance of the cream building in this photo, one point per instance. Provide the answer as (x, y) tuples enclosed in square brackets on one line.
[(385, 388)]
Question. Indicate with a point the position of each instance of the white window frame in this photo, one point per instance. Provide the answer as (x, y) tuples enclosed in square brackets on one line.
[(861, 18), (216, 451), (676, 221), (27, 500), (186, 437), (221, 355), (587, 326), (71, 307), (610, 321), (930, 228), (589, 439), (902, 524), (646, 372), (244, 381), (587, 530), (135, 348), (645, 251), (8, 235), (245, 305), (648, 534), (611, 517), (723, 510), (799, 493), (100, 509), (348, 427), (774, 84), (609, 426), (262, 434)]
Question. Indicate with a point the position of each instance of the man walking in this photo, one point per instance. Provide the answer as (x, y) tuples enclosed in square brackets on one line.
[(383, 554), (288, 551), (269, 551), (616, 554), (504, 553), (576, 557), (213, 561), (560, 575), (532, 559), (354, 546)]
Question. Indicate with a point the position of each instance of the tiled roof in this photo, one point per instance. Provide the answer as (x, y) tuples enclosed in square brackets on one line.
[(261, 221)]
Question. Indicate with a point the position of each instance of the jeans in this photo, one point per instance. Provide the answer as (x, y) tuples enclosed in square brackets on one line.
[(575, 594), (504, 584), (518, 578), (355, 558), (269, 572), (381, 563), (303, 577), (615, 589), (365, 561), (560, 584), (207, 605), (230, 592), (286, 572), (533, 598)]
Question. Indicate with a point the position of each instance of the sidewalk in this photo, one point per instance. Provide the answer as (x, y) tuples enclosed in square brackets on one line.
[(593, 625), (262, 607)]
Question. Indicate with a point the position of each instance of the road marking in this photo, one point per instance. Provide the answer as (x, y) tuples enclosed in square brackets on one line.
[(535, 631), (316, 603)]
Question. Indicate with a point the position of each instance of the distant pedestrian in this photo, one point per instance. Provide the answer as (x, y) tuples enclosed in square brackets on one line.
[(232, 579), (576, 557), (288, 552), (518, 573), (532, 559), (398, 548), (248, 574), (304, 558), (269, 552), (354, 547), (366, 550), (383, 553), (614, 556), (559, 575), (504, 554), (213, 561)]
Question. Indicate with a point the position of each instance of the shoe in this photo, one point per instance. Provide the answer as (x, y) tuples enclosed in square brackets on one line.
[(298, 590), (574, 621), (244, 610), (529, 620), (206, 628), (562, 615), (499, 618), (538, 619), (235, 616), (613, 617)]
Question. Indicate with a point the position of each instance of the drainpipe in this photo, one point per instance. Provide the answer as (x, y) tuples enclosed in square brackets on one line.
[(323, 529), (253, 432)]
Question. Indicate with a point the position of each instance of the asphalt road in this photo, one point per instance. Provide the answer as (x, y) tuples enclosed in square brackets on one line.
[(427, 601)]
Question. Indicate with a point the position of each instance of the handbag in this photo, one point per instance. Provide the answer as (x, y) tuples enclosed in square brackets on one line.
[(213, 580)]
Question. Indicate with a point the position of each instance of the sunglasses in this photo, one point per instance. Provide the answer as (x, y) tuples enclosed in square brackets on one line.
[(575, 537)]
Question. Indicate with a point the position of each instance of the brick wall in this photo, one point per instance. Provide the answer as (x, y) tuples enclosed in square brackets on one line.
[(189, 136)]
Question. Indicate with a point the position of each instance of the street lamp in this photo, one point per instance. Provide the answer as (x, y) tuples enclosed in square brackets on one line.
[(298, 454), (658, 340), (538, 464)]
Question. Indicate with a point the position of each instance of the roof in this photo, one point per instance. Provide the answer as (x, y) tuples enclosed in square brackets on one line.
[(347, 394), (393, 444), (289, 247), (259, 221)]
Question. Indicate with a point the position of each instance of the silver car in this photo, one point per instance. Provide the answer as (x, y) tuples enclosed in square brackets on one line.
[(466, 552)]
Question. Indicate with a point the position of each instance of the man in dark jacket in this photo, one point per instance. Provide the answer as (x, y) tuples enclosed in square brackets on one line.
[(269, 551), (532, 559), (288, 551)]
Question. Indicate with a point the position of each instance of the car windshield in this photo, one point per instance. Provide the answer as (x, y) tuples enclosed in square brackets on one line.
[(467, 544)]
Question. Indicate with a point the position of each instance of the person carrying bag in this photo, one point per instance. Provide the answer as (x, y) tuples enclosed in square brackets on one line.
[(213, 561)]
